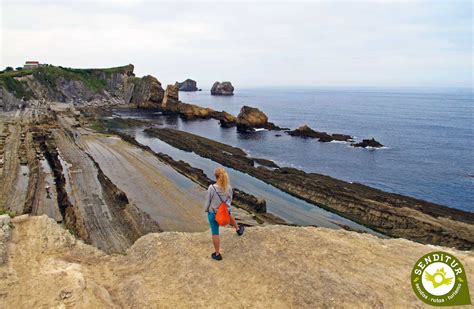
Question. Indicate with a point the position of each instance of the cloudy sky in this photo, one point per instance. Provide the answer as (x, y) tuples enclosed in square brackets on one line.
[(319, 43)]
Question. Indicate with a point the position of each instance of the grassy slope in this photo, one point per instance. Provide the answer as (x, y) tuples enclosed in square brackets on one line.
[(92, 78)]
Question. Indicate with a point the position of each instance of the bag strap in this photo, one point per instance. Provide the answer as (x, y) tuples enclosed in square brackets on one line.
[(217, 193)]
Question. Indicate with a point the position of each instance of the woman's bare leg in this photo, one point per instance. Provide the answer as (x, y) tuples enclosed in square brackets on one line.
[(233, 222), (217, 243)]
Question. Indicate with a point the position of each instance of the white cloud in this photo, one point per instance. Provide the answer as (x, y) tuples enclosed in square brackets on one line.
[(326, 43)]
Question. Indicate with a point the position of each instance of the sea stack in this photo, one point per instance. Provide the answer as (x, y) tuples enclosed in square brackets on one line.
[(224, 88), (187, 85), (171, 98), (250, 118)]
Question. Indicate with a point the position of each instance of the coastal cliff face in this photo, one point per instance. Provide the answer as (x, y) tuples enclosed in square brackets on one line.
[(283, 267), (80, 86)]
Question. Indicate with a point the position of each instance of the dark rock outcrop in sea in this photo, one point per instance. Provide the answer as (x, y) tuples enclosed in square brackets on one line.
[(368, 143), (187, 85), (392, 214), (251, 118), (223, 88), (306, 132)]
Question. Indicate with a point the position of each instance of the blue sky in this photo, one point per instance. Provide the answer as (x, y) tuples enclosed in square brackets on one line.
[(320, 43)]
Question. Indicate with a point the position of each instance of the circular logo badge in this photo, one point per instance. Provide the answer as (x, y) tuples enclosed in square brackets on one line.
[(439, 279)]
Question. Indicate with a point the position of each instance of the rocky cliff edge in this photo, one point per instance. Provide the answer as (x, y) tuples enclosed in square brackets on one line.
[(274, 266), (117, 85)]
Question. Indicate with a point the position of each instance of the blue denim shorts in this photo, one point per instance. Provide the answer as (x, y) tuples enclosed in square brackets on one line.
[(213, 223)]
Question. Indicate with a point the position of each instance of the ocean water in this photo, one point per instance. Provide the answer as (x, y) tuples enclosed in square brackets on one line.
[(282, 204), (428, 134)]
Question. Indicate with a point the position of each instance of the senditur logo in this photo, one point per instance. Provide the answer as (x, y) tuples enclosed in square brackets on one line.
[(439, 279)]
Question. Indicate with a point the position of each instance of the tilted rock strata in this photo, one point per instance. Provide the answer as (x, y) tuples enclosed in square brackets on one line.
[(79, 86), (392, 214), (146, 92), (171, 98), (240, 198)]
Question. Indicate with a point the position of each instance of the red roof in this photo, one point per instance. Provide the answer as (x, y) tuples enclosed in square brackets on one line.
[(32, 62)]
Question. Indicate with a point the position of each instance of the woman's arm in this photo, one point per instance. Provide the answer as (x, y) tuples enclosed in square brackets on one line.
[(207, 200)]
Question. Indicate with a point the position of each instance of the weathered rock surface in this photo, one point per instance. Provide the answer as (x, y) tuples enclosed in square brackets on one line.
[(8, 101), (241, 199), (251, 118), (191, 111), (48, 267), (187, 85), (79, 86), (5, 232), (223, 88), (392, 214), (368, 143), (306, 132), (171, 98), (146, 92)]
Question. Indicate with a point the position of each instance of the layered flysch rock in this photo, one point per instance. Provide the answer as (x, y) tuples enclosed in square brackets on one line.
[(145, 92), (187, 85), (392, 214), (171, 98), (79, 86), (222, 88)]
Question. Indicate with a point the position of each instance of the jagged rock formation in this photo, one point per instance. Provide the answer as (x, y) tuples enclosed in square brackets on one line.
[(368, 143), (391, 214), (251, 118), (306, 132), (79, 86), (8, 101), (282, 267), (187, 85), (171, 98), (171, 105), (144, 92), (224, 88)]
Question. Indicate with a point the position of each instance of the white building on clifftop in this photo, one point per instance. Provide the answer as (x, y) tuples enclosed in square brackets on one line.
[(31, 64)]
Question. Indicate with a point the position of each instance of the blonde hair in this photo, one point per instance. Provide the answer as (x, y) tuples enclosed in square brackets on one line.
[(222, 178)]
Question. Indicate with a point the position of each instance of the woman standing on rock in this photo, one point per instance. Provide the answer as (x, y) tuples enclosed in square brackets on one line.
[(220, 192)]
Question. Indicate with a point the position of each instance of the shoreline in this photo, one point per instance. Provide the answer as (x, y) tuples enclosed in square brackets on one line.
[(391, 214), (105, 190)]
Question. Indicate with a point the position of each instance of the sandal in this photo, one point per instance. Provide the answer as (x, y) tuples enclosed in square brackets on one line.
[(216, 256), (241, 230)]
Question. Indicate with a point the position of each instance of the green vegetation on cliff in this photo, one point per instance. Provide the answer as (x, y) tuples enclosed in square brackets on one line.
[(95, 79)]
